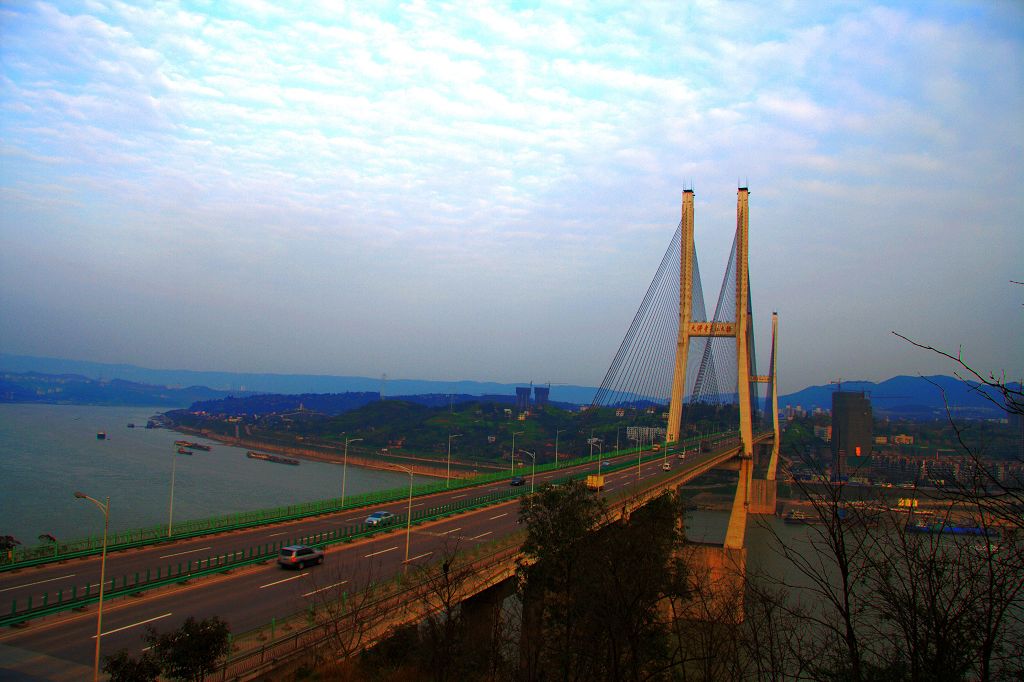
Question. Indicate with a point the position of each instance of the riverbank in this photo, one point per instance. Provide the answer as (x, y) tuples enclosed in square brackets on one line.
[(320, 453)]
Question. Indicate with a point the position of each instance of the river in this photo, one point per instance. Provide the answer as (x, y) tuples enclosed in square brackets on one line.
[(47, 452)]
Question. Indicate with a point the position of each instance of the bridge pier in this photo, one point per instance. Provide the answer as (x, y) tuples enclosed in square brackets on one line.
[(716, 581), (763, 497)]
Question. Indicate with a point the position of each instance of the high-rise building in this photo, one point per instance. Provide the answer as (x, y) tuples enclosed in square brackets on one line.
[(851, 428), (522, 399), (540, 396)]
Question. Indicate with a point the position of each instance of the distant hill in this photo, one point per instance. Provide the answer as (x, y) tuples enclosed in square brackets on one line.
[(907, 396), (74, 389), (289, 384), (901, 396)]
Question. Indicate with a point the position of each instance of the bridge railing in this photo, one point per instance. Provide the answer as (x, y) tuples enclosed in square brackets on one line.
[(372, 612)]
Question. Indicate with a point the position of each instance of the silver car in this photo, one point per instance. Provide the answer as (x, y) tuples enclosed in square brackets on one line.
[(299, 556)]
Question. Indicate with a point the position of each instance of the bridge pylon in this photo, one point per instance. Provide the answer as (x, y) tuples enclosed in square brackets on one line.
[(740, 329), (763, 491)]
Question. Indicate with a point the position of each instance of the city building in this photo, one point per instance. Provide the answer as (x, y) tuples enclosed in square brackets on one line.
[(540, 396), (851, 427), (522, 398)]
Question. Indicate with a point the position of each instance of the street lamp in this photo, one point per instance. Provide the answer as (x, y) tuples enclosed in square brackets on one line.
[(170, 510), (449, 474), (105, 508), (408, 518), (533, 471), (556, 445), (514, 434), (344, 468), (639, 451)]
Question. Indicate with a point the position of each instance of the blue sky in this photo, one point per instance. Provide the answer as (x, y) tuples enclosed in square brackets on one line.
[(483, 191)]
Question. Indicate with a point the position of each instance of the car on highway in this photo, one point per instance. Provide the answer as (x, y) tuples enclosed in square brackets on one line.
[(666, 467), (379, 518), (517, 480), (299, 556)]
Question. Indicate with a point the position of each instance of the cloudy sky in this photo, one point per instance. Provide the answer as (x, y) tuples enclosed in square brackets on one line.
[(446, 190)]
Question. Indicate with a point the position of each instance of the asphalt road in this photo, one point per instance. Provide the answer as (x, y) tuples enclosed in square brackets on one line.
[(250, 597)]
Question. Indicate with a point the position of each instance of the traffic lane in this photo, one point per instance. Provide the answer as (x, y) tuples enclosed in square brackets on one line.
[(77, 573), (237, 598), (251, 598)]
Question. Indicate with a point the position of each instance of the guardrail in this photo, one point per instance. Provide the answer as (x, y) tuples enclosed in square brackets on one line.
[(141, 537), (118, 586), (393, 602)]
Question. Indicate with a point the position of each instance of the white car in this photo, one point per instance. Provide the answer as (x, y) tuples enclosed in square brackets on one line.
[(379, 518)]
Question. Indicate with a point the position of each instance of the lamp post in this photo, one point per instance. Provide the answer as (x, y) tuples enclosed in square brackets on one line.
[(105, 508), (344, 469), (170, 510), (556, 445), (514, 434), (449, 474), (639, 452), (408, 518), (533, 470)]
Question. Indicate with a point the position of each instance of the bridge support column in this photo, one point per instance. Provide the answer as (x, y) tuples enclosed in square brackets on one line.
[(483, 616), (737, 529), (763, 496), (717, 580)]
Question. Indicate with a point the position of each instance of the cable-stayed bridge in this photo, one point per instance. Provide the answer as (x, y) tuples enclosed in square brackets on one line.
[(673, 357)]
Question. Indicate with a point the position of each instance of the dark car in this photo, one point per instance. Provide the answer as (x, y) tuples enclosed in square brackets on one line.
[(299, 556), (379, 518), (517, 480)]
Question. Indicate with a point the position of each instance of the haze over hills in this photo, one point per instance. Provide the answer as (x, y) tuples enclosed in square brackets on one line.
[(913, 397)]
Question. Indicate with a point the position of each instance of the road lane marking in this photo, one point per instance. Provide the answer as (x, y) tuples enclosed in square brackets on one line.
[(481, 535), (389, 549), (201, 549), (419, 557), (498, 516), (355, 519), (448, 532), (141, 622), (455, 497), (294, 577), (324, 588), (274, 535), (418, 504), (40, 582)]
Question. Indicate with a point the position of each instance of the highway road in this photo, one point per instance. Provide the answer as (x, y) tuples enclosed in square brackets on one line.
[(249, 597)]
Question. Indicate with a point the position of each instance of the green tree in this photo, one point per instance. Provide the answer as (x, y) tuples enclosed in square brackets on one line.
[(593, 587), (123, 668), (191, 651)]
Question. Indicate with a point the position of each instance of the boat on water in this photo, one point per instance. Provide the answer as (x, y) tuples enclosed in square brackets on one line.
[(795, 516), (184, 451), (271, 458), (101, 435), (193, 446), (131, 425)]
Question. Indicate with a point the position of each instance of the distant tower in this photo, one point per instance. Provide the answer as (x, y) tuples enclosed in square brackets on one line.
[(540, 396), (851, 428), (522, 399)]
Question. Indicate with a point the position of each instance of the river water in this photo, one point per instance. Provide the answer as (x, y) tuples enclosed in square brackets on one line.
[(47, 452)]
